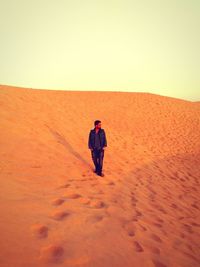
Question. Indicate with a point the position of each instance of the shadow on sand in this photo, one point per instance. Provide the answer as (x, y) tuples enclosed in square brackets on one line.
[(61, 139)]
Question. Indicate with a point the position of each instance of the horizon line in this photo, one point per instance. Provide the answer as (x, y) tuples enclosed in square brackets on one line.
[(99, 91)]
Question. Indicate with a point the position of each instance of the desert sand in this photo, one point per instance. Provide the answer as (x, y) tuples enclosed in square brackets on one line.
[(55, 211)]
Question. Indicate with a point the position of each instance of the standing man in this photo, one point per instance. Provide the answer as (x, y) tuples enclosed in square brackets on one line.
[(97, 143)]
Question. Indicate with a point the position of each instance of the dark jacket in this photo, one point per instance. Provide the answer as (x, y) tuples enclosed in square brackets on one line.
[(91, 139)]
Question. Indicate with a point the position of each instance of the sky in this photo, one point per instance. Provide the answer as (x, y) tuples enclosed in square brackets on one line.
[(102, 45)]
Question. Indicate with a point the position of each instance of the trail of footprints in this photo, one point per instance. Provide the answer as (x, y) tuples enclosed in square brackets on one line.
[(131, 225), (155, 208), (54, 253)]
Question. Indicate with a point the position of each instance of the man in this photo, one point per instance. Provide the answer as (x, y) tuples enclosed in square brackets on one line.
[(97, 143)]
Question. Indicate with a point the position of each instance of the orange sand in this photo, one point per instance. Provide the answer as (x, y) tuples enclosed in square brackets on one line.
[(145, 211)]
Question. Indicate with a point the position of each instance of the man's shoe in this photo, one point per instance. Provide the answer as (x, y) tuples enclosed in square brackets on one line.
[(101, 174)]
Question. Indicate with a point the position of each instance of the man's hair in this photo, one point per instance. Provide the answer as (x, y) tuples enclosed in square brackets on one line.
[(96, 122)]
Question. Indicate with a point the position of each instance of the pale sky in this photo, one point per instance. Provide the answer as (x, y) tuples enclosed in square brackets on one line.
[(110, 45)]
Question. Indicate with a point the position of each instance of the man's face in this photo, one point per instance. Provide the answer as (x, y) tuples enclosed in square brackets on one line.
[(98, 126)]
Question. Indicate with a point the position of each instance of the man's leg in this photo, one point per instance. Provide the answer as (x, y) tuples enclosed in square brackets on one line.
[(95, 159), (101, 156)]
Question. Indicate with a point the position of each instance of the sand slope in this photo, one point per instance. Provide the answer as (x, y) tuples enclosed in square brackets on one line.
[(56, 212)]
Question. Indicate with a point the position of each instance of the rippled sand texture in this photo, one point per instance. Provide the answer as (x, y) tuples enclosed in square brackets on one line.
[(55, 211)]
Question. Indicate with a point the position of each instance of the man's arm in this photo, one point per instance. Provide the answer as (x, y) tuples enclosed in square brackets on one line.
[(89, 139), (105, 142)]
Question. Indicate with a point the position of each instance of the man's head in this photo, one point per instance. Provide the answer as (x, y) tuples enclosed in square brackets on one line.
[(97, 124)]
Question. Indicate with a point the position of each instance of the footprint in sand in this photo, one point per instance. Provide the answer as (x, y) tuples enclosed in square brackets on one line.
[(84, 201), (195, 224), (156, 238), (191, 256), (57, 201), (157, 225), (59, 215), (154, 250), (97, 204), (136, 215), (134, 218), (151, 197), (159, 220), (133, 200), (151, 190), (182, 235), (110, 183), (64, 186), (188, 228), (142, 228), (174, 206), (95, 218), (51, 254), (137, 247), (194, 205), (160, 208), (83, 180), (39, 230), (114, 200), (71, 180), (130, 228), (71, 195)]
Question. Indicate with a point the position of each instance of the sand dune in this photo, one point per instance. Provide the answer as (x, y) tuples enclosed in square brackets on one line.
[(55, 211)]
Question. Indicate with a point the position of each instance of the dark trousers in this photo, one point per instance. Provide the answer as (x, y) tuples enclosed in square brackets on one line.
[(97, 157)]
